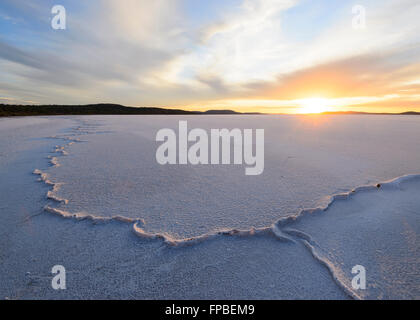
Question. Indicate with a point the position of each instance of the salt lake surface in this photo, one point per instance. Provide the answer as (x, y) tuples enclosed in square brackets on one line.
[(127, 227)]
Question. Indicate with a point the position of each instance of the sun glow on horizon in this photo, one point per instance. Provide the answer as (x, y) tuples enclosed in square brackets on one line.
[(309, 105), (314, 105)]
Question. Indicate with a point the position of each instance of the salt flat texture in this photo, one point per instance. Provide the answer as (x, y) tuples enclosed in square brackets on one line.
[(151, 231)]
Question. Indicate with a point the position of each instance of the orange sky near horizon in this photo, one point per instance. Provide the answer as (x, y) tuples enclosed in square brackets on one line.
[(268, 56), (360, 84)]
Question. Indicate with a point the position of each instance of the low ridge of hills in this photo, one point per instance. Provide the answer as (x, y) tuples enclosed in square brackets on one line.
[(10, 110)]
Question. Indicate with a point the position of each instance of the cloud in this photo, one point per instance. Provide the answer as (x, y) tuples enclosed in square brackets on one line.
[(251, 53), (147, 53), (106, 44), (241, 46), (365, 75)]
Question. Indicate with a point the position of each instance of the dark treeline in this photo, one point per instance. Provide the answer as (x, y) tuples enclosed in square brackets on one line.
[(8, 110)]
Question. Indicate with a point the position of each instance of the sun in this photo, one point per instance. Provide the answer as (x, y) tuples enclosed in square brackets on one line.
[(314, 105)]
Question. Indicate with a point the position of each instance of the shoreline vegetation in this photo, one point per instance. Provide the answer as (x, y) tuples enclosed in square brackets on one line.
[(10, 110)]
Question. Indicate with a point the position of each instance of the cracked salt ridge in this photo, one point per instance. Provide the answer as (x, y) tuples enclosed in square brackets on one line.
[(371, 230), (275, 230), (51, 194), (86, 216), (278, 229), (56, 186), (389, 184)]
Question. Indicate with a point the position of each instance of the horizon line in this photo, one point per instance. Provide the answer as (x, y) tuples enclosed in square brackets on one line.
[(175, 109)]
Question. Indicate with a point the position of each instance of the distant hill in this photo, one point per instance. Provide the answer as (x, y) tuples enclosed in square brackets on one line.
[(371, 113), (9, 110), (411, 113), (220, 112)]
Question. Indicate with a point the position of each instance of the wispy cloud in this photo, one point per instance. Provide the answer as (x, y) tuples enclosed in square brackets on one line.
[(159, 53)]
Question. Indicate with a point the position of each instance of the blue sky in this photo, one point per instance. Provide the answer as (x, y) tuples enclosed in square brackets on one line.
[(248, 55)]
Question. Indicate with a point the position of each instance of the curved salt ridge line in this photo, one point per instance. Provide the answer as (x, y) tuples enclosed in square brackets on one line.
[(307, 240), (273, 230), (60, 149), (166, 238), (334, 271), (86, 216), (276, 229), (52, 196), (393, 183), (55, 187), (54, 161)]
